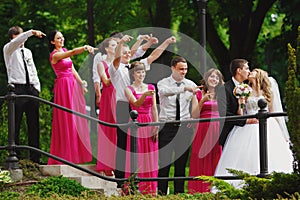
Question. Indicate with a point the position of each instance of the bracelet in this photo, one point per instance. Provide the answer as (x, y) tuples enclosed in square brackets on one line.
[(84, 84), (85, 47), (139, 37)]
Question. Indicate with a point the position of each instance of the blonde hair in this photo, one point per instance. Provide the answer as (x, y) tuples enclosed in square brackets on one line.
[(264, 84)]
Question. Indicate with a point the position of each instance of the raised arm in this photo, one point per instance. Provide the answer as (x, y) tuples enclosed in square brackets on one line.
[(152, 40), (61, 55), (17, 41), (118, 53), (160, 49), (137, 45)]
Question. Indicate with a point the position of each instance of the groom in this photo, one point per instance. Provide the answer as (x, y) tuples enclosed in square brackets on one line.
[(228, 106)]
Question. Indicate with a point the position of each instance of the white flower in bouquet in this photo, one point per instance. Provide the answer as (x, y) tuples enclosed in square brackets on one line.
[(241, 91)]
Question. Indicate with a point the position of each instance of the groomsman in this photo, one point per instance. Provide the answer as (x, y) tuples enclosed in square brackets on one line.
[(21, 72), (176, 94)]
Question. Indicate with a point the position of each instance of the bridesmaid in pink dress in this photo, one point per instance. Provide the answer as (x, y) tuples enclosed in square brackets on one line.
[(206, 150), (70, 138), (107, 136), (142, 98)]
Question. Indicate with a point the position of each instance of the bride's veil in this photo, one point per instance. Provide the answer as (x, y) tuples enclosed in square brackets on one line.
[(277, 107)]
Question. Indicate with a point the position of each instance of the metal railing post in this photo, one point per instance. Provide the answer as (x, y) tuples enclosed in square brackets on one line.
[(263, 146), (133, 142), (12, 161)]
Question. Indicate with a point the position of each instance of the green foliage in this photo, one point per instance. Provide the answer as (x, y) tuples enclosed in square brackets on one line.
[(7, 195), (224, 43), (45, 127), (4, 178), (283, 184), (45, 122), (31, 170), (202, 196), (225, 189), (277, 184), (274, 186), (131, 185), (293, 99), (3, 131), (56, 184)]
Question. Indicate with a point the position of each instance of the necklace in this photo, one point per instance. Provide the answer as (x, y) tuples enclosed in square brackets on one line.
[(139, 87)]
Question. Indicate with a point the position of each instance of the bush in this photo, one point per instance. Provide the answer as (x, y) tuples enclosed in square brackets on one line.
[(57, 184), (4, 178), (293, 99), (7, 195), (274, 186)]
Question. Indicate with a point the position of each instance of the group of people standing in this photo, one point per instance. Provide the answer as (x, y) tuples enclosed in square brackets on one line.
[(120, 87)]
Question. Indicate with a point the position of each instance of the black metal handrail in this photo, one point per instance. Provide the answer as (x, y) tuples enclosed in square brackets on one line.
[(12, 160)]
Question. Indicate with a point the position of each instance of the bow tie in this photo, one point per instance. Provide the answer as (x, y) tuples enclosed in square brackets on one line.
[(127, 66)]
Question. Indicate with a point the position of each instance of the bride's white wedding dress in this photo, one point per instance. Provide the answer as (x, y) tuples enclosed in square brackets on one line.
[(241, 151)]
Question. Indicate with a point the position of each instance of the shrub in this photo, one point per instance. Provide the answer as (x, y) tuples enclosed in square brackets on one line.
[(7, 195), (293, 100), (57, 184), (4, 178), (274, 186)]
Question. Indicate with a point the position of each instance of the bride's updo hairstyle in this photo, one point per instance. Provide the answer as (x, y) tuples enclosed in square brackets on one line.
[(264, 84)]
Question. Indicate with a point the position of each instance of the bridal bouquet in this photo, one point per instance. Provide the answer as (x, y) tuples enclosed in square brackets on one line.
[(241, 91)]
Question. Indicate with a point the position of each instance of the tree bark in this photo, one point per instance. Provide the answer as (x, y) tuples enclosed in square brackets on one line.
[(243, 32)]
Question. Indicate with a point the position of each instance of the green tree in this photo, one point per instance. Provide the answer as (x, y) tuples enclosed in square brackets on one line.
[(242, 20), (293, 99)]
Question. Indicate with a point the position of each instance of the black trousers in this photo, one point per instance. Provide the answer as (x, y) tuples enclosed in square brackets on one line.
[(31, 109), (175, 139), (122, 115)]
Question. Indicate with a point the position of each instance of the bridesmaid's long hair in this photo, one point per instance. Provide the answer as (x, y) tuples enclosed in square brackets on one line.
[(51, 37), (104, 45), (203, 82), (263, 84)]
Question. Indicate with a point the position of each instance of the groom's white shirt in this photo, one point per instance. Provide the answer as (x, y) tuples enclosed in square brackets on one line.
[(235, 81)]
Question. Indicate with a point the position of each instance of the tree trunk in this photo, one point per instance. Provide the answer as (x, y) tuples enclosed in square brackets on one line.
[(243, 33)]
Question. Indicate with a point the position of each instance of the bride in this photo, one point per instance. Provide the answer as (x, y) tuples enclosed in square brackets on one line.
[(241, 151)]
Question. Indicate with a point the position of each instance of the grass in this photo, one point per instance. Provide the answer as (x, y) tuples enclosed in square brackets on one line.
[(171, 183)]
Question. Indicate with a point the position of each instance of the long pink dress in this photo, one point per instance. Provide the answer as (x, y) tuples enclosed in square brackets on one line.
[(206, 150), (147, 149), (107, 136), (70, 138)]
